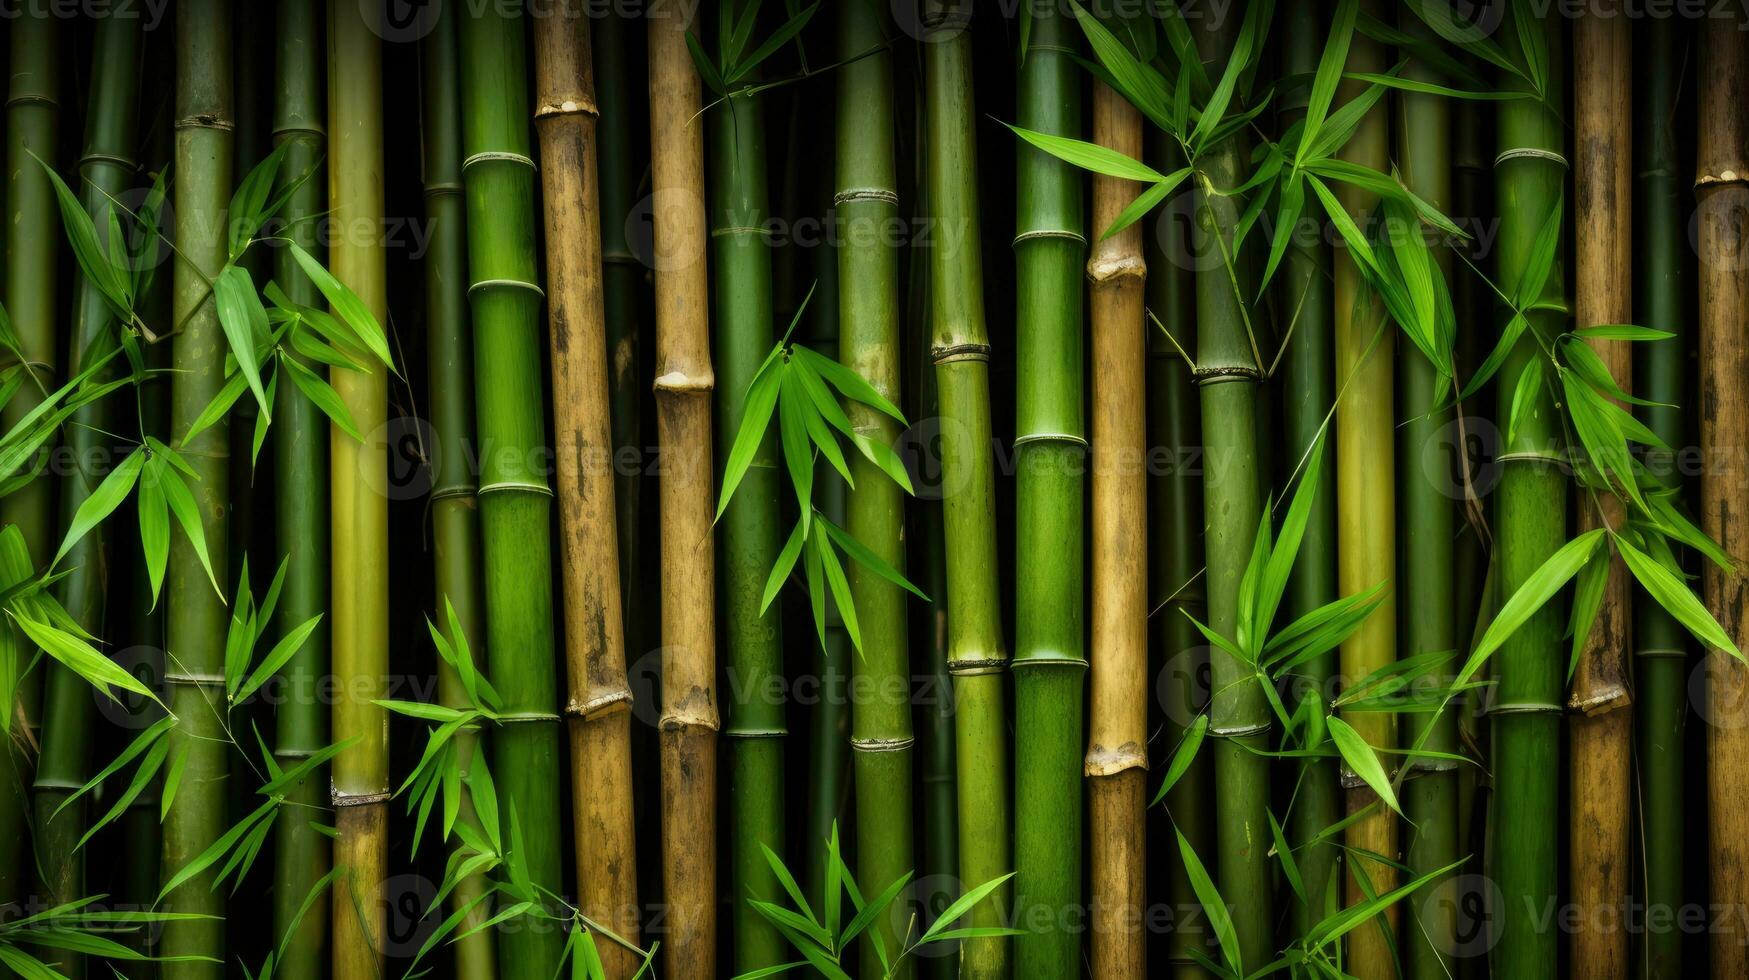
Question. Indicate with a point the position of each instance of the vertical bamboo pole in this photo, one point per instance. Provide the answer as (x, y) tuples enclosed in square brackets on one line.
[(1601, 725), (599, 705), (1050, 446), (1722, 196), (977, 657), (1305, 301), (455, 516), (1228, 375), (684, 382), (1117, 749), (1661, 645), (32, 124), (1529, 524), (301, 503), (1429, 530), (1366, 513), (515, 502), (360, 520), (880, 718)]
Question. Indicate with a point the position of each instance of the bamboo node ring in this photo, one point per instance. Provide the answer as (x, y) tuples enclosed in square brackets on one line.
[(358, 799), (600, 704), (881, 744), (1724, 176), (948, 353), (1238, 731), (498, 486), (459, 490), (850, 195), (204, 121), (195, 680), (1524, 708), (95, 158), (1068, 437), (1217, 375), (973, 666), (525, 717), (1073, 236), (1530, 153), (505, 284), (569, 107), (1116, 269), (497, 156), (438, 187), (681, 382), (307, 130), (755, 733)]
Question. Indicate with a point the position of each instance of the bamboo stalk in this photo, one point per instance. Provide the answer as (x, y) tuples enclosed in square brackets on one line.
[(1722, 194), (1309, 365), (301, 505), (1049, 443), (68, 715), (977, 657), (598, 708), (32, 124), (1175, 528), (880, 714), (1601, 726), (514, 500), (360, 517), (1228, 375), (455, 517), (1529, 524), (1429, 524), (1366, 514), (197, 617), (1661, 646), (1117, 756), (684, 382)]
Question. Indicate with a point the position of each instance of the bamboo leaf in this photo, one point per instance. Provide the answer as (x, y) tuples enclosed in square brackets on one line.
[(102, 502), (154, 522), (245, 323), (1676, 598), (346, 304), (1532, 594), (1329, 71), (756, 411), (187, 513), (276, 658), (323, 396), (780, 571), (866, 557), (79, 657), (1363, 760), (1182, 756), (1213, 905), (1290, 869), (965, 903), (797, 456), (1090, 156), (840, 586)]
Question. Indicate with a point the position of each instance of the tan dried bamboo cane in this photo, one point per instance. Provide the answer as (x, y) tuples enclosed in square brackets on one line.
[(1601, 729), (598, 709), (1722, 198), (1117, 748), (683, 425)]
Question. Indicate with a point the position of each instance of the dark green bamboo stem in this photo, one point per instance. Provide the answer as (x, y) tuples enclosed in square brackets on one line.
[(197, 617), (1306, 304), (1661, 646), (32, 255), (867, 199), (977, 657), (1228, 374), (1429, 528), (751, 535), (1529, 524), (1050, 664), (107, 168), (301, 502), (455, 518), (514, 499)]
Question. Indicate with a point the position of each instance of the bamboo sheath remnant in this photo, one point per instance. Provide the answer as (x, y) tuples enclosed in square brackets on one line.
[(68, 710), (360, 518), (197, 617), (977, 657), (684, 383), (1430, 536), (455, 516), (1366, 514), (1661, 645), (1722, 198), (301, 499), (598, 709), (1117, 748), (1228, 375), (1600, 727), (1529, 525)]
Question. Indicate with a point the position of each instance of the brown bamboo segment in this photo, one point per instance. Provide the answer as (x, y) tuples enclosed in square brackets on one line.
[(1117, 748), (598, 708), (1601, 729), (1722, 199), (1366, 510), (683, 425)]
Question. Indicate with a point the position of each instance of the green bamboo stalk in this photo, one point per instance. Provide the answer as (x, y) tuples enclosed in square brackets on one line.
[(1429, 527), (1050, 664), (455, 519), (514, 499), (977, 657), (1175, 554), (1661, 646), (880, 718), (1530, 524), (106, 169), (197, 617), (301, 503), (1228, 375), (252, 108), (359, 776), (1310, 389), (33, 233), (751, 535)]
